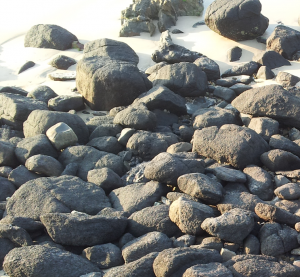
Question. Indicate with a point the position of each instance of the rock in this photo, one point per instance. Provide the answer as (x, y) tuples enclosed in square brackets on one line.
[(113, 49), (56, 194), (234, 54), (227, 254), (7, 188), (104, 255), (62, 62), (285, 41), (7, 154), (210, 67), (201, 186), (26, 66), (290, 191), (139, 247), (185, 79), (240, 88), (160, 97), (226, 94), (20, 175), (265, 73), (15, 234), (101, 82), (49, 36), (184, 241), (172, 53), (274, 214), (147, 144), (228, 174), (135, 197), (286, 79), (151, 219), (136, 117), (174, 262), (43, 164), (264, 126), (259, 182), (251, 245), (294, 134), (79, 229), (277, 160), (134, 26), (40, 121), (104, 130), (155, 67), (105, 178), (127, 237), (62, 76), (232, 80), (140, 267), (108, 144), (189, 215), (15, 108), (42, 93), (31, 146), (5, 171), (14, 90), (271, 59), (167, 16), (244, 69), (177, 31), (61, 136), (283, 143), (179, 147), (7, 133), (277, 239), (220, 144), (208, 270), (237, 20), (278, 104), (51, 261), (260, 265), (93, 274), (25, 223), (165, 119), (6, 247), (199, 23), (65, 103)]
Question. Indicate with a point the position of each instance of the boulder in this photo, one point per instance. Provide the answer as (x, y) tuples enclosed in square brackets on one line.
[(208, 270), (79, 229), (287, 79), (104, 130), (40, 121), (7, 154), (20, 175), (271, 59), (248, 68), (167, 16), (234, 54), (289, 191), (108, 144), (226, 94), (236, 20), (283, 143), (101, 81), (7, 188), (62, 62), (65, 103), (265, 73), (285, 41), (224, 173), (134, 26), (264, 126), (272, 101), (230, 144), (26, 66), (49, 36), (42, 93), (209, 66)]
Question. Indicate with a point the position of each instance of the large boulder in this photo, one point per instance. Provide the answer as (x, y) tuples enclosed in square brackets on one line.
[(49, 36), (236, 145), (15, 108), (38, 122), (271, 101), (237, 19), (106, 83), (285, 41), (56, 194)]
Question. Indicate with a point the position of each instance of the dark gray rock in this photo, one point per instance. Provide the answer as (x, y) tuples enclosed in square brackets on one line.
[(208, 270), (280, 160), (259, 182), (165, 118), (49, 36), (71, 169), (166, 168), (285, 41), (65, 103), (240, 88), (283, 143), (62, 62), (201, 186), (134, 26), (50, 261), (231, 144), (232, 226), (26, 66), (42, 93), (184, 241), (185, 79), (265, 73), (34, 145), (107, 144), (289, 191), (189, 215), (174, 262), (228, 174), (287, 79), (93, 274), (104, 130), (25, 223), (15, 234), (251, 245), (160, 97), (146, 244), (237, 20), (20, 175), (135, 197), (211, 243), (167, 16), (7, 154), (14, 90), (264, 126), (7, 133), (5, 171), (151, 219), (209, 66), (147, 144), (127, 237), (248, 68), (111, 212), (5, 247), (294, 134), (271, 59), (56, 194), (40, 121), (79, 229), (277, 239), (272, 101), (101, 82), (7, 188), (232, 80), (234, 54), (176, 31), (226, 94), (105, 178), (155, 67), (104, 255)]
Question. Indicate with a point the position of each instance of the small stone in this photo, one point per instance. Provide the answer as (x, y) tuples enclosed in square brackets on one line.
[(227, 254), (65, 76), (25, 66)]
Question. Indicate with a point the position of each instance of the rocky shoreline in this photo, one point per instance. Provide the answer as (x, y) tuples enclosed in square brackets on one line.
[(183, 170)]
